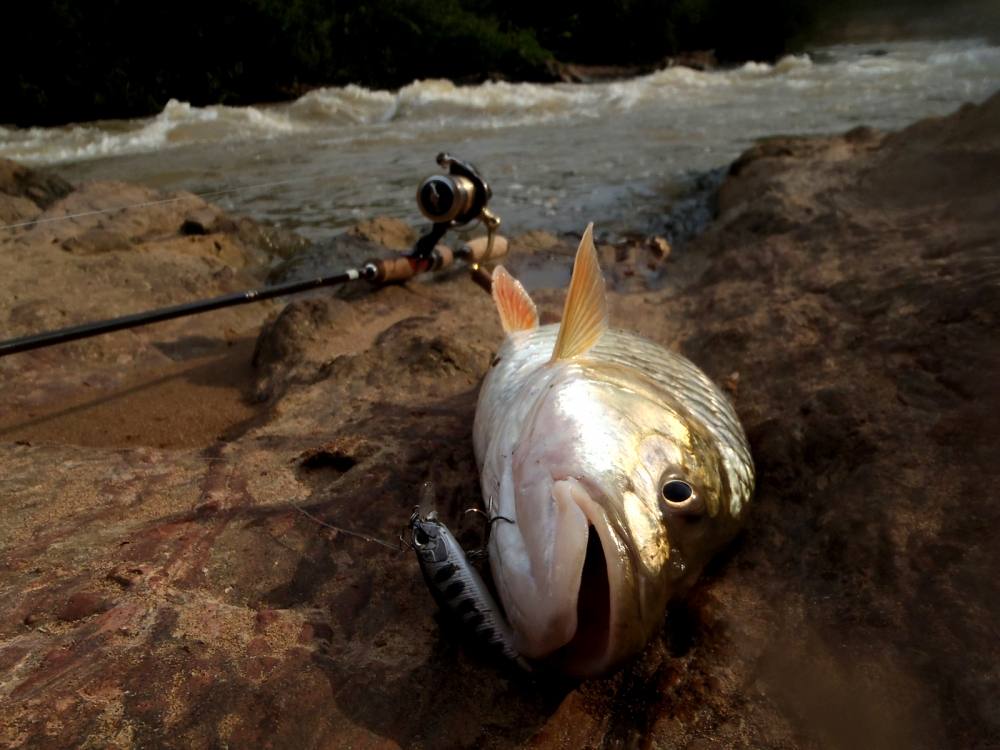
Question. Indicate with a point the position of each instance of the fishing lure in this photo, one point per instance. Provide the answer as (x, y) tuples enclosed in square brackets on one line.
[(458, 588)]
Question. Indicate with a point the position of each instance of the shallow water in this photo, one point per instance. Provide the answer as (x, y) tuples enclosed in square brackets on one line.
[(557, 155)]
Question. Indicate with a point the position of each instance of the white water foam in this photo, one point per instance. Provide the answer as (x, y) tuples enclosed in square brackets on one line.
[(177, 124), (853, 73), (608, 152)]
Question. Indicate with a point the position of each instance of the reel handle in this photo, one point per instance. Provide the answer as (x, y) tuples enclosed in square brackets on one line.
[(478, 251)]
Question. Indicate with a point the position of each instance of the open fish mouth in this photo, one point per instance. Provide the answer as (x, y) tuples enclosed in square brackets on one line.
[(593, 608), (562, 604), (601, 580)]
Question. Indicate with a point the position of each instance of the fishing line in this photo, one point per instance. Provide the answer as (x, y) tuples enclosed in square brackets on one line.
[(357, 534), (161, 202), (321, 522)]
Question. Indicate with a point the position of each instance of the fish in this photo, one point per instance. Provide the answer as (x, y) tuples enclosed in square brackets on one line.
[(614, 470)]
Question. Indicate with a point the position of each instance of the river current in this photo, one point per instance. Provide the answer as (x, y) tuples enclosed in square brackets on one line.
[(557, 155)]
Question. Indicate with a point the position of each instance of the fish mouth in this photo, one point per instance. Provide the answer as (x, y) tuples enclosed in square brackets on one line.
[(588, 651), (593, 611), (562, 576)]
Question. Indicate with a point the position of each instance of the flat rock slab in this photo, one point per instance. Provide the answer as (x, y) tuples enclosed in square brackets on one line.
[(186, 594)]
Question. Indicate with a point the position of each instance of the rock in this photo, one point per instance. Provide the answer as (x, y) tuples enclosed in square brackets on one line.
[(326, 259), (95, 241), (88, 261), (40, 187), (536, 240), (577, 73), (659, 247), (845, 297), (82, 605), (286, 348), (696, 60), (386, 231), (26, 193)]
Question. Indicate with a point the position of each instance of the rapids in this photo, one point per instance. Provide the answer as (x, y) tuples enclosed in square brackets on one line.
[(558, 155)]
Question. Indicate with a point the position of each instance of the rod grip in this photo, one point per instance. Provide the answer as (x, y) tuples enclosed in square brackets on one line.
[(404, 267), (474, 251), (394, 269)]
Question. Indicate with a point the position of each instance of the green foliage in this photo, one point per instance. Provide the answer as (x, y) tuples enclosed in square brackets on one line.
[(63, 60)]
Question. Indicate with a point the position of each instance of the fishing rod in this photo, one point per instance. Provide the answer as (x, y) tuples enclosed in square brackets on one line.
[(450, 200)]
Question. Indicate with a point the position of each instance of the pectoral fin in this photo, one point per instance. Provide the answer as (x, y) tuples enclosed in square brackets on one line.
[(585, 315), (517, 311)]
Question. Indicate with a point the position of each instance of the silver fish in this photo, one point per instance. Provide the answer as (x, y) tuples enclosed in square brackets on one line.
[(620, 465)]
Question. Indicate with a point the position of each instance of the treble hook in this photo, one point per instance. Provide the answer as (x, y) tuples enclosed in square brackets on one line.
[(480, 554), (490, 520)]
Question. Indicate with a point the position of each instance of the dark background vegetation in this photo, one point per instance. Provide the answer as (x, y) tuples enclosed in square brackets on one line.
[(71, 60)]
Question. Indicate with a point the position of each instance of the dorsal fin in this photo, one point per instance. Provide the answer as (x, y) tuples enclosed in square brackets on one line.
[(517, 311), (585, 315)]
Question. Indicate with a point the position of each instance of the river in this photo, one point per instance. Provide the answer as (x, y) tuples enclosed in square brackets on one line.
[(557, 155)]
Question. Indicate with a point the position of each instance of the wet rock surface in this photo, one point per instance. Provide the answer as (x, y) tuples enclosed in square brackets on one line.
[(186, 596)]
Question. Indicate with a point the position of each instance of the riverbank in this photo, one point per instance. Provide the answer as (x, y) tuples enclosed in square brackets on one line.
[(172, 595)]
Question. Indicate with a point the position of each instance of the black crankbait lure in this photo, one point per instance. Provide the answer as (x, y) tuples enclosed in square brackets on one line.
[(458, 588)]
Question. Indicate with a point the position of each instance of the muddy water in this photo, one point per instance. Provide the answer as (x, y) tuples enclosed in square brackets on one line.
[(558, 155)]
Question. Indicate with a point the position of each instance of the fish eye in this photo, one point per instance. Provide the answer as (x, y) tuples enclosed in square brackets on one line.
[(677, 491)]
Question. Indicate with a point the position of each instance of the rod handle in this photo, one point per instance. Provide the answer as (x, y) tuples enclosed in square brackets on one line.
[(404, 267), (388, 270), (483, 278), (474, 251)]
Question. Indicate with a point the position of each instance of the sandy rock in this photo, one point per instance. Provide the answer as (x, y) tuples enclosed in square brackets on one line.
[(83, 604), (106, 249), (94, 241), (26, 193), (846, 297), (36, 187), (286, 350), (391, 233), (537, 240), (326, 258)]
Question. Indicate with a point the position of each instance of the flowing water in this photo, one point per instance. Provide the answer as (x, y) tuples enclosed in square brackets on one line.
[(557, 155)]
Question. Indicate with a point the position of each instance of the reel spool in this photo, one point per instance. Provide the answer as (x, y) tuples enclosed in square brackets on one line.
[(454, 200)]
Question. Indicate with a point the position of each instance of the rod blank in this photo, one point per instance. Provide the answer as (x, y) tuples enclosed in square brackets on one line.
[(96, 328)]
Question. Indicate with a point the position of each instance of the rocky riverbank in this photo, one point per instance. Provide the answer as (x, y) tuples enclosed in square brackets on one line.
[(163, 587)]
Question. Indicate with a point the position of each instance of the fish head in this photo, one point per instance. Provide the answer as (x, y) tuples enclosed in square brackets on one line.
[(614, 498)]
